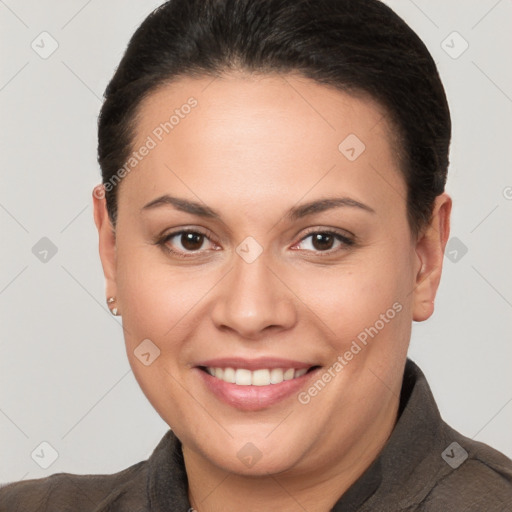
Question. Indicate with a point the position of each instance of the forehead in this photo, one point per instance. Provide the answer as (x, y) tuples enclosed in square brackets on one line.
[(265, 99), (261, 133)]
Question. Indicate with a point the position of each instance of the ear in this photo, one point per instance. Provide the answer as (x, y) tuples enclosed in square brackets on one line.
[(107, 240), (430, 248)]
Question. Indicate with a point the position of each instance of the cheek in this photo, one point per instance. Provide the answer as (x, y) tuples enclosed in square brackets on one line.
[(155, 301), (141, 295), (148, 290), (159, 301), (368, 299)]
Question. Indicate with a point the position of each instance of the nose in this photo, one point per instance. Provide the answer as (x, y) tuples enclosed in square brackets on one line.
[(253, 301)]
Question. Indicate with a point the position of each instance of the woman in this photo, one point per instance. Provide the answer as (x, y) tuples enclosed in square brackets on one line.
[(272, 218)]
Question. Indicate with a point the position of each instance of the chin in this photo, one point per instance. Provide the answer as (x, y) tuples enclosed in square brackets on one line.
[(249, 456), (262, 464)]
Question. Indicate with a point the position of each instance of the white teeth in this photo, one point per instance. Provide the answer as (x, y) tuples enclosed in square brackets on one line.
[(229, 375), (243, 377), (260, 378), (289, 374), (276, 376), (263, 377)]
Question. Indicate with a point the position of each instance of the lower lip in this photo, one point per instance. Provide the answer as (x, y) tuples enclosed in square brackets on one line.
[(254, 398)]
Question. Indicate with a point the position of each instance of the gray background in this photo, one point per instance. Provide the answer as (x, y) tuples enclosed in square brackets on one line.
[(64, 375)]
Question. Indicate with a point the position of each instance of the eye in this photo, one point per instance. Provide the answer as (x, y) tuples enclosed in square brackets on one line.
[(324, 241), (186, 241)]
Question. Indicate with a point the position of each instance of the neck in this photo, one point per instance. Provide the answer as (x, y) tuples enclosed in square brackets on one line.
[(316, 489)]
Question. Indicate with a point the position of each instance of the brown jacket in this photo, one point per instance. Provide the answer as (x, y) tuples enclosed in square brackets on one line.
[(425, 466)]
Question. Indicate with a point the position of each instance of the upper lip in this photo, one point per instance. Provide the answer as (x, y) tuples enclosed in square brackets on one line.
[(254, 364)]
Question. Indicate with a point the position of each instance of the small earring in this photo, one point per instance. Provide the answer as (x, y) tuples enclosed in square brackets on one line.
[(114, 310)]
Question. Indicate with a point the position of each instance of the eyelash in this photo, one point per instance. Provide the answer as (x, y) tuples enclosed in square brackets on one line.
[(164, 241), (346, 242)]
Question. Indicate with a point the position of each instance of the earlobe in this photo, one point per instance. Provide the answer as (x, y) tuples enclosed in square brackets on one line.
[(107, 239), (430, 248)]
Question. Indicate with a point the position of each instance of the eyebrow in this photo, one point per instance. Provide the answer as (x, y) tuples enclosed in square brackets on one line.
[(294, 213), (322, 205), (183, 205)]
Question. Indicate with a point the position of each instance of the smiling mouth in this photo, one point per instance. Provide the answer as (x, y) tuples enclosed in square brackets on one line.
[(261, 377)]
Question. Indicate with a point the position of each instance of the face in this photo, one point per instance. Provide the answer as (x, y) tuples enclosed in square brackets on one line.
[(263, 249)]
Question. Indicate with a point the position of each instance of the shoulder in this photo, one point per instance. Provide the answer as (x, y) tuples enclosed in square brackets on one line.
[(477, 478), (448, 472), (67, 492)]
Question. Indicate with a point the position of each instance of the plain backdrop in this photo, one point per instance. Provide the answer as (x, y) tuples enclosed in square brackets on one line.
[(64, 375)]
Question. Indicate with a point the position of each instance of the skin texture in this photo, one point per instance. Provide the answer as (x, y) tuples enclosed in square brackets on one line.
[(252, 148)]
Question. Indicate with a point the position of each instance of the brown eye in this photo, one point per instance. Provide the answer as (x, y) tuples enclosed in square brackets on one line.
[(192, 241), (322, 241), (187, 243), (325, 242)]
